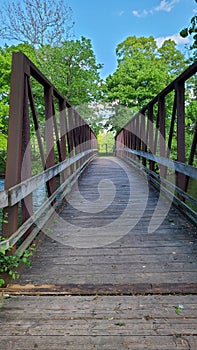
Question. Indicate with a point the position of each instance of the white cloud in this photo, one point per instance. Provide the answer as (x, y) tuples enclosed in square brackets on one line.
[(144, 13), (194, 11), (165, 5), (175, 37), (121, 13), (136, 13)]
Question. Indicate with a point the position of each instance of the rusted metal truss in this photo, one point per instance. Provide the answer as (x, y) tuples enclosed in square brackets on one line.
[(147, 139), (66, 136)]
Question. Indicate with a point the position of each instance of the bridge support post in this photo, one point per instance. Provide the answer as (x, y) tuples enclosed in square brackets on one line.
[(162, 129), (19, 137), (180, 90)]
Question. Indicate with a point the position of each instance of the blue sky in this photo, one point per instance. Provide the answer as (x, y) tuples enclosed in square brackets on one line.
[(108, 22)]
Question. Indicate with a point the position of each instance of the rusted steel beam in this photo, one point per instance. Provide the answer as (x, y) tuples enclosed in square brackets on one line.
[(192, 155), (172, 125), (50, 157), (193, 148), (15, 129), (156, 133), (180, 89), (36, 124), (159, 128), (151, 134), (62, 112), (143, 136), (19, 148), (57, 137), (162, 131), (63, 133), (26, 166)]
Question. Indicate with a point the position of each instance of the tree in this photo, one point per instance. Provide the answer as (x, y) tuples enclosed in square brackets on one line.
[(143, 71), (191, 30), (173, 61), (139, 75), (133, 45), (72, 68), (37, 22)]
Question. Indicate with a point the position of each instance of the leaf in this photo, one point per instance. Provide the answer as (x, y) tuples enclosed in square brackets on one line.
[(184, 33), (2, 282), (120, 324)]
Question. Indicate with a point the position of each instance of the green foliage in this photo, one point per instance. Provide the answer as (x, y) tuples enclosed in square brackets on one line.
[(2, 161), (106, 141), (191, 30), (9, 263), (143, 71), (172, 60), (72, 68), (3, 142)]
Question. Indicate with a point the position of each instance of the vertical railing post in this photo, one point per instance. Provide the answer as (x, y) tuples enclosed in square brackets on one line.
[(162, 130), (180, 89), (26, 166), (143, 136), (172, 125), (81, 138), (63, 130), (151, 135), (62, 111), (130, 136), (50, 157), (192, 154), (20, 70), (70, 136)]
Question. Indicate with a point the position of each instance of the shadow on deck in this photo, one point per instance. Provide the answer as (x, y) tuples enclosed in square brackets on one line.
[(97, 252), (115, 231)]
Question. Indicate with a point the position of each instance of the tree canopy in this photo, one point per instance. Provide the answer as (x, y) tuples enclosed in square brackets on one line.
[(37, 22), (143, 71), (73, 69)]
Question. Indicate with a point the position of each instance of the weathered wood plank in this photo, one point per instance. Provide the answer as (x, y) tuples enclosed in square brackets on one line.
[(116, 342), (101, 289), (136, 257), (114, 315), (120, 322)]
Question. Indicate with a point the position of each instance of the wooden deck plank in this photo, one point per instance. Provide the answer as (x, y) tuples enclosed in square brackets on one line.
[(167, 255), (84, 294), (98, 322)]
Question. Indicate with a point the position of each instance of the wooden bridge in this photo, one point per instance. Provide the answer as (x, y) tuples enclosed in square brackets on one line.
[(115, 263)]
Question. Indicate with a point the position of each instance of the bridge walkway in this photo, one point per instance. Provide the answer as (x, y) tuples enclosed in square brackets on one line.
[(99, 239), (104, 276)]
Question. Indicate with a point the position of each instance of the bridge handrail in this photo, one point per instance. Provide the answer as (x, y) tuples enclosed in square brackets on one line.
[(146, 140), (18, 192), (66, 130)]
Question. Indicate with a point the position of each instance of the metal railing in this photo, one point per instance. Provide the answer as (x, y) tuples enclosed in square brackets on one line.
[(65, 145), (148, 138)]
